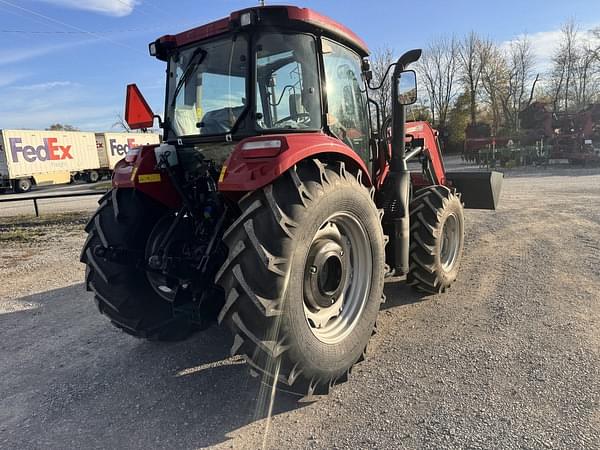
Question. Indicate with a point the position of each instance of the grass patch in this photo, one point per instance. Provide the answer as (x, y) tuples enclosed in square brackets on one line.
[(20, 235), (25, 229), (67, 218)]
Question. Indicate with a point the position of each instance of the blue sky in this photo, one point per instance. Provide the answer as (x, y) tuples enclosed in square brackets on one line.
[(69, 61)]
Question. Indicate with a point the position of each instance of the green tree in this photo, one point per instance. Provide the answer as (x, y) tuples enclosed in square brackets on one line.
[(459, 118)]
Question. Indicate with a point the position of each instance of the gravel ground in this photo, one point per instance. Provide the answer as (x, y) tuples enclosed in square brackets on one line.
[(508, 358)]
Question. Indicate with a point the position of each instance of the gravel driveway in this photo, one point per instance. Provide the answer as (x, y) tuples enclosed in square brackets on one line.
[(508, 358)]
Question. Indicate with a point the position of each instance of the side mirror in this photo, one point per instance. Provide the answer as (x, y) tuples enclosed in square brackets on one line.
[(407, 87), (366, 70), (138, 113)]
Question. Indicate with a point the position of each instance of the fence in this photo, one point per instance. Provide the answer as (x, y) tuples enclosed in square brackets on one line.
[(35, 198)]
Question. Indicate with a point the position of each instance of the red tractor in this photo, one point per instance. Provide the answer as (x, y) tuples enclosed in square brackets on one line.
[(269, 204)]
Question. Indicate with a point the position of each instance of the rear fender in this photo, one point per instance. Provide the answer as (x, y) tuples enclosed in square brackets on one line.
[(246, 171), (142, 175)]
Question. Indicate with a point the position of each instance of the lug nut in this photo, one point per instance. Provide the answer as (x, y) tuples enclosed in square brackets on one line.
[(313, 269), (154, 261)]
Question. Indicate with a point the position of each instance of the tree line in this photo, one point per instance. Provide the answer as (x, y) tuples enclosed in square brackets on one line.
[(473, 79)]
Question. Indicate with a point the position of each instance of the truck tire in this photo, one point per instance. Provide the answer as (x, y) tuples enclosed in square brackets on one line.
[(436, 239), (121, 290), (92, 176), (303, 280), (23, 185)]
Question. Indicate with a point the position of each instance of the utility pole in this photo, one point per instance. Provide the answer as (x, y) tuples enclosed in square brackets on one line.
[(261, 2)]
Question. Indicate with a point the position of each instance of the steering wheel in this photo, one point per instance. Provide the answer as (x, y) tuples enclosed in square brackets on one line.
[(302, 117)]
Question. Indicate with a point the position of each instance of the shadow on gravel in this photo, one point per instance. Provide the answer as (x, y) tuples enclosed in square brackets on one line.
[(70, 380), (399, 294)]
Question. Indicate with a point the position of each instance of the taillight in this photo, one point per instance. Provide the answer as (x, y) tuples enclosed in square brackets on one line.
[(263, 147), (132, 154)]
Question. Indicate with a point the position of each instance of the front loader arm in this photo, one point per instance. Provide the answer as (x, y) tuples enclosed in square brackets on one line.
[(421, 134)]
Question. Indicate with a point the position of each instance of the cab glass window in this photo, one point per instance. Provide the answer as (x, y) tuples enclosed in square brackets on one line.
[(207, 87), (287, 82), (347, 115)]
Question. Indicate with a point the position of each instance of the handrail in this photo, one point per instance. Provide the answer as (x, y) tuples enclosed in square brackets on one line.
[(35, 198)]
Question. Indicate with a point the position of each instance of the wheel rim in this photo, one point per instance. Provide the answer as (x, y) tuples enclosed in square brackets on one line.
[(24, 185), (450, 242), (337, 277)]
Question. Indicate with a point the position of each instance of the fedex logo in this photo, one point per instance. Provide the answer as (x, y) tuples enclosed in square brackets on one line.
[(119, 149), (48, 151)]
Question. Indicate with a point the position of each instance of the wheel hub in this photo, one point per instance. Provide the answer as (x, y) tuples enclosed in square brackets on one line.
[(325, 270), (337, 277)]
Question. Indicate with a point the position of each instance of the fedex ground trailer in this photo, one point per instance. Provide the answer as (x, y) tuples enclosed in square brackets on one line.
[(32, 157), (112, 147)]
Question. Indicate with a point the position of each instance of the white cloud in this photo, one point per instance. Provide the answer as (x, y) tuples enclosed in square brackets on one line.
[(118, 8), (17, 55), (38, 106), (6, 79), (45, 86), (545, 43), (83, 117)]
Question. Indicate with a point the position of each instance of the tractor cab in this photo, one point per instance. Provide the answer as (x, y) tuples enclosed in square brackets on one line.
[(264, 71)]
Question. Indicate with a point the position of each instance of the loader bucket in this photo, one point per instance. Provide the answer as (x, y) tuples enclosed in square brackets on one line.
[(480, 190)]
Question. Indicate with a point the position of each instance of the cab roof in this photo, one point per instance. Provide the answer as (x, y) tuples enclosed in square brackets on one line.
[(280, 16)]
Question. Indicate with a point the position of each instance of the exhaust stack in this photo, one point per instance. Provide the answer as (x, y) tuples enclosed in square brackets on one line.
[(397, 191)]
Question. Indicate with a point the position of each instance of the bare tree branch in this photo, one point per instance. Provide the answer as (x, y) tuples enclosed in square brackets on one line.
[(473, 52), (438, 68), (380, 61)]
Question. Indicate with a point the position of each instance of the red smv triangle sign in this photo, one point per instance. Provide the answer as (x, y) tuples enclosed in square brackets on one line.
[(137, 112)]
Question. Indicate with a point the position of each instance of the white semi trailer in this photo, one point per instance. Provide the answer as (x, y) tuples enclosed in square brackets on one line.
[(32, 157), (112, 147)]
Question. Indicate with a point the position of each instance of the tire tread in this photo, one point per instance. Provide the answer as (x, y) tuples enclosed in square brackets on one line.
[(121, 292), (426, 226)]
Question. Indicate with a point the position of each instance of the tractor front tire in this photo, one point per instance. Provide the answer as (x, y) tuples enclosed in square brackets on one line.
[(121, 289), (304, 277), (436, 239)]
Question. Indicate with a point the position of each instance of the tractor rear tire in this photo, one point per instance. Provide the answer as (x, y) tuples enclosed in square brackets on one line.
[(436, 239), (287, 279), (121, 289)]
